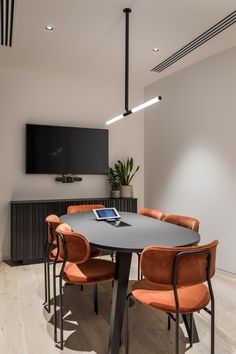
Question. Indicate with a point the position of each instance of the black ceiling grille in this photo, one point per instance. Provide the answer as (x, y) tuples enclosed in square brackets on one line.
[(7, 17), (197, 42)]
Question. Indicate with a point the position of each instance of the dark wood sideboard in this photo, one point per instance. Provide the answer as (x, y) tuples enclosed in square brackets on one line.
[(28, 229)]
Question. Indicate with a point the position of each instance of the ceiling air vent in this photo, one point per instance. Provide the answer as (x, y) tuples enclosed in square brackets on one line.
[(7, 16), (197, 42)]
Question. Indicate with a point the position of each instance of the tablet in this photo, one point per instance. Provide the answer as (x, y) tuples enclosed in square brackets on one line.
[(106, 213)]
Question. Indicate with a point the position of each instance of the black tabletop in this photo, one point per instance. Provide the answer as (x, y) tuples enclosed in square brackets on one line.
[(142, 232)]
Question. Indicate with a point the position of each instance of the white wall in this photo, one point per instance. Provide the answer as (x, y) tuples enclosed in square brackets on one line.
[(47, 99), (190, 149)]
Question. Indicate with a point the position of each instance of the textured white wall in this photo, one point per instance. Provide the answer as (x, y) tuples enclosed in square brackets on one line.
[(190, 149), (27, 97)]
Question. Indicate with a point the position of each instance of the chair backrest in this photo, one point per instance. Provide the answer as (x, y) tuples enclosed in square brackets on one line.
[(52, 222), (157, 264), (73, 247), (181, 220), (84, 208), (152, 213)]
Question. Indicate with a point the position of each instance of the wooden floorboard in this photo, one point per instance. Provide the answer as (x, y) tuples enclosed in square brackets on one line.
[(26, 328)]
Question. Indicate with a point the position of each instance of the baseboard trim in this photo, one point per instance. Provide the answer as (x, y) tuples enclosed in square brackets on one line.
[(225, 272)]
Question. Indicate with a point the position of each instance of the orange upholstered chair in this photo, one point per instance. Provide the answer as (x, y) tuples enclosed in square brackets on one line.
[(83, 208), (174, 283), (152, 213), (50, 250), (185, 221), (86, 208), (78, 267)]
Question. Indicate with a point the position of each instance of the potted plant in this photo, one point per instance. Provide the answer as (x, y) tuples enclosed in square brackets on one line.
[(114, 181), (124, 171)]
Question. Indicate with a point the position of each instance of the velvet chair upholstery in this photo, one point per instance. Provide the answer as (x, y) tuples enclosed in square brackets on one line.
[(152, 213), (83, 208), (185, 221), (174, 282), (78, 268)]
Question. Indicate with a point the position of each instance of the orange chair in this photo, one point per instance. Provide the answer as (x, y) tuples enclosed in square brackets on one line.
[(50, 254), (52, 222), (185, 221), (83, 208), (152, 213), (174, 283), (86, 208), (77, 267)]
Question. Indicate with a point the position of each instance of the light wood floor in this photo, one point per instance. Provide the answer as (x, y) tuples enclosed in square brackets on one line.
[(26, 328)]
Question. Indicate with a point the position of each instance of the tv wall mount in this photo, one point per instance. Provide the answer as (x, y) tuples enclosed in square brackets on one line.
[(68, 179)]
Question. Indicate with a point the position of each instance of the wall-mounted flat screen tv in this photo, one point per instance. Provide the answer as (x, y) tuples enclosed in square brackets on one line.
[(66, 150)]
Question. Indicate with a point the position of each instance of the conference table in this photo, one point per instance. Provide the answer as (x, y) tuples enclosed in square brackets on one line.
[(133, 234)]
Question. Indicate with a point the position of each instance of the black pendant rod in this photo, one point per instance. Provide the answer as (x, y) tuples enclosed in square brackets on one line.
[(7, 17), (127, 11), (11, 22), (2, 22)]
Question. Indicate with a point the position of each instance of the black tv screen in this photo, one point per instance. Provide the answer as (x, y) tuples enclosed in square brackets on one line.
[(66, 150)]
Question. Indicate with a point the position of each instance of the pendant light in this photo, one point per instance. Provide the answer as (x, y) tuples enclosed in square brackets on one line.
[(128, 111)]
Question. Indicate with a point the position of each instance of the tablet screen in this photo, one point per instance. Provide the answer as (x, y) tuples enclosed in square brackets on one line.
[(106, 213)]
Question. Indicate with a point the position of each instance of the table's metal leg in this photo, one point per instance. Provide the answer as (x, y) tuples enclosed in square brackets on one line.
[(121, 281), (187, 322)]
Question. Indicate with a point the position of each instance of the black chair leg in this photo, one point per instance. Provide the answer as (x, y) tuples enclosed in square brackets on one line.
[(212, 327), (45, 283), (96, 298), (169, 323), (138, 254), (81, 287), (61, 315), (49, 291), (191, 331), (177, 334), (54, 302), (127, 325)]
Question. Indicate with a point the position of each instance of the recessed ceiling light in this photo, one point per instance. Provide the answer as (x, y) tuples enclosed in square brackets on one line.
[(155, 49), (49, 28)]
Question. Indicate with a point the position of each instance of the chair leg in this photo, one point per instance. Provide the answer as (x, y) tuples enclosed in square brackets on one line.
[(45, 283), (96, 298), (54, 302), (212, 327), (127, 327), (191, 331), (177, 334), (169, 323), (49, 291), (81, 287), (138, 254), (61, 315)]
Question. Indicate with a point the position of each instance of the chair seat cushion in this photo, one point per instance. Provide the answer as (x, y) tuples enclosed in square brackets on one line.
[(92, 271), (191, 298)]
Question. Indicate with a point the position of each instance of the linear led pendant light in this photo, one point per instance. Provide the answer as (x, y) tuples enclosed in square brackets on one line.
[(128, 111)]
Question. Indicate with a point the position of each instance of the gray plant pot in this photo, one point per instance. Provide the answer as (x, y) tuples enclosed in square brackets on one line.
[(126, 191), (115, 193)]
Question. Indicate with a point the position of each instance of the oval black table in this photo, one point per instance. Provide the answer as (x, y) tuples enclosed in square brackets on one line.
[(124, 240)]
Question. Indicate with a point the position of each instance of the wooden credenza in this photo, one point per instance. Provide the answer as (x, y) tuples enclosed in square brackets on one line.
[(28, 228)]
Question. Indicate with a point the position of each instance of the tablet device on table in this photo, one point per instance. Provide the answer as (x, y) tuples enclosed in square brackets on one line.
[(106, 213)]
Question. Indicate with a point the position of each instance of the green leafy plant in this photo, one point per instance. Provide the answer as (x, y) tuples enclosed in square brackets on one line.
[(113, 179), (123, 170)]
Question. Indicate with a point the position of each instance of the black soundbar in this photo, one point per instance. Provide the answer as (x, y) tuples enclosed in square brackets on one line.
[(68, 179)]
